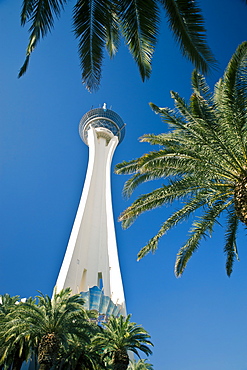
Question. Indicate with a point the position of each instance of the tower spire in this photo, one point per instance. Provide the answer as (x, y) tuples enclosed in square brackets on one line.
[(91, 259)]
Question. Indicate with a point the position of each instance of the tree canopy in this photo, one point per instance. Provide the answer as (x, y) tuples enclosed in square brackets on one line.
[(120, 336), (59, 333), (203, 158), (100, 24)]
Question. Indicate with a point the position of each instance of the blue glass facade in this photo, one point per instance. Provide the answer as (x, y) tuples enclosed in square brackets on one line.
[(96, 300)]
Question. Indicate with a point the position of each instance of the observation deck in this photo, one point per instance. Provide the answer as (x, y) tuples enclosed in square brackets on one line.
[(105, 121)]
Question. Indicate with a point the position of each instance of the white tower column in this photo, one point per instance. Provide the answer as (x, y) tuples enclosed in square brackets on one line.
[(91, 258)]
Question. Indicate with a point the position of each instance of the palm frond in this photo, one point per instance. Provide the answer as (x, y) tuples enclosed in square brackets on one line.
[(230, 244), (120, 334), (112, 27), (187, 25), (200, 229), (202, 160), (90, 18), (140, 365), (154, 199), (168, 115), (40, 13), (235, 67), (200, 85), (201, 101), (177, 217), (153, 139), (231, 99), (139, 25), (127, 167), (211, 137), (131, 184)]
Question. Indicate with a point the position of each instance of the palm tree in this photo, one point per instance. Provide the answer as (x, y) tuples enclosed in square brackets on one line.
[(99, 24), (119, 336), (203, 158), (51, 323), (79, 355), (140, 365), (14, 350)]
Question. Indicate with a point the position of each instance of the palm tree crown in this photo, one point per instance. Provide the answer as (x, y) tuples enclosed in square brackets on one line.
[(203, 158), (60, 334), (51, 323), (119, 336), (98, 24), (14, 347), (140, 365)]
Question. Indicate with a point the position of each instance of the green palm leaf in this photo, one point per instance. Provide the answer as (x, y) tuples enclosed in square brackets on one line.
[(139, 22), (201, 229), (90, 19), (177, 217), (118, 336), (186, 22), (48, 325), (140, 365), (231, 245), (202, 160), (40, 13), (100, 24)]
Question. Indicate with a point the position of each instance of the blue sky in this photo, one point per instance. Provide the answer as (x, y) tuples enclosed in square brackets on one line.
[(197, 322)]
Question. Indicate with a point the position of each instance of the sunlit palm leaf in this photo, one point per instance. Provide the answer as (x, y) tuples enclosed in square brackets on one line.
[(112, 28), (177, 217), (200, 85), (140, 365), (203, 161), (201, 229), (231, 245), (122, 335)]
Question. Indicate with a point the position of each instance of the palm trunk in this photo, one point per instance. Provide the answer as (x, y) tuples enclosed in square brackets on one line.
[(240, 200), (120, 360), (44, 367), (48, 350)]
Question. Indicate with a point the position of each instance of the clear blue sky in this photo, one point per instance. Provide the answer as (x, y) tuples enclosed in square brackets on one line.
[(197, 322)]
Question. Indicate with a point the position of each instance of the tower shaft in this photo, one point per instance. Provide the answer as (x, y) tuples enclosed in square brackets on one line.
[(91, 258)]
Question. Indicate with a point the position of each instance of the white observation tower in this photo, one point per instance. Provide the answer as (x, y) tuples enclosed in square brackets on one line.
[(91, 265)]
